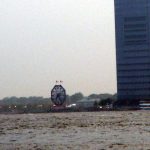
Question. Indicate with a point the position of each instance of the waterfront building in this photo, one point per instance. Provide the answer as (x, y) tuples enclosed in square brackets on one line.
[(132, 25)]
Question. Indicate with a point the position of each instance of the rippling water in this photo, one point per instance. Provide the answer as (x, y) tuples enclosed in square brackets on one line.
[(82, 130)]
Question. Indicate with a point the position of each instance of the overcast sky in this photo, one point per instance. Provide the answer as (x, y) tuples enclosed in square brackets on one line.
[(42, 41)]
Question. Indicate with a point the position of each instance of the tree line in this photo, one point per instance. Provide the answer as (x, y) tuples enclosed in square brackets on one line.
[(41, 104)]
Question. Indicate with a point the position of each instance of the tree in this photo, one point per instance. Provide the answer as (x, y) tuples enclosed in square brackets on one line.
[(93, 96), (105, 96), (76, 97), (104, 102)]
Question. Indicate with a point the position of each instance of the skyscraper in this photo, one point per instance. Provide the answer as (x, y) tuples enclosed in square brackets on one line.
[(132, 22)]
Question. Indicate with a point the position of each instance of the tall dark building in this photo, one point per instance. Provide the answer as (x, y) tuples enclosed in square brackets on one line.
[(132, 20)]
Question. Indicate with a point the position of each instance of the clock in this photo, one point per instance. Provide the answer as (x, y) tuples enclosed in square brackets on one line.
[(58, 95)]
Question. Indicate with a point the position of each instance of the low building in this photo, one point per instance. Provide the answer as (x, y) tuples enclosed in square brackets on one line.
[(86, 103)]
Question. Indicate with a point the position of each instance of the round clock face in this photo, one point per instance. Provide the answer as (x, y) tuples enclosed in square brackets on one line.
[(58, 95)]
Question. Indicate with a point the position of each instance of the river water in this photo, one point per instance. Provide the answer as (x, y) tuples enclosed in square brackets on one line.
[(120, 130)]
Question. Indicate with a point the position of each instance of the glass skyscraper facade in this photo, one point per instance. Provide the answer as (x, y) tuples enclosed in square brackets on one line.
[(132, 22)]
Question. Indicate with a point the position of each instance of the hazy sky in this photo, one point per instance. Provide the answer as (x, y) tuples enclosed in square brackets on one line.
[(42, 41)]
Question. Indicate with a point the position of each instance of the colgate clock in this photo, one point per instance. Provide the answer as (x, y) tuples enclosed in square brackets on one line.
[(58, 95)]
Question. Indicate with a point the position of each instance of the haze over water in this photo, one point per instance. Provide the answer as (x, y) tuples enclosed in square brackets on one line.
[(45, 41)]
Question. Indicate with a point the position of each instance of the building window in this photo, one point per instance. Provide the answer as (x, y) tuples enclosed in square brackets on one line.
[(131, 19), (135, 30), (134, 26)]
